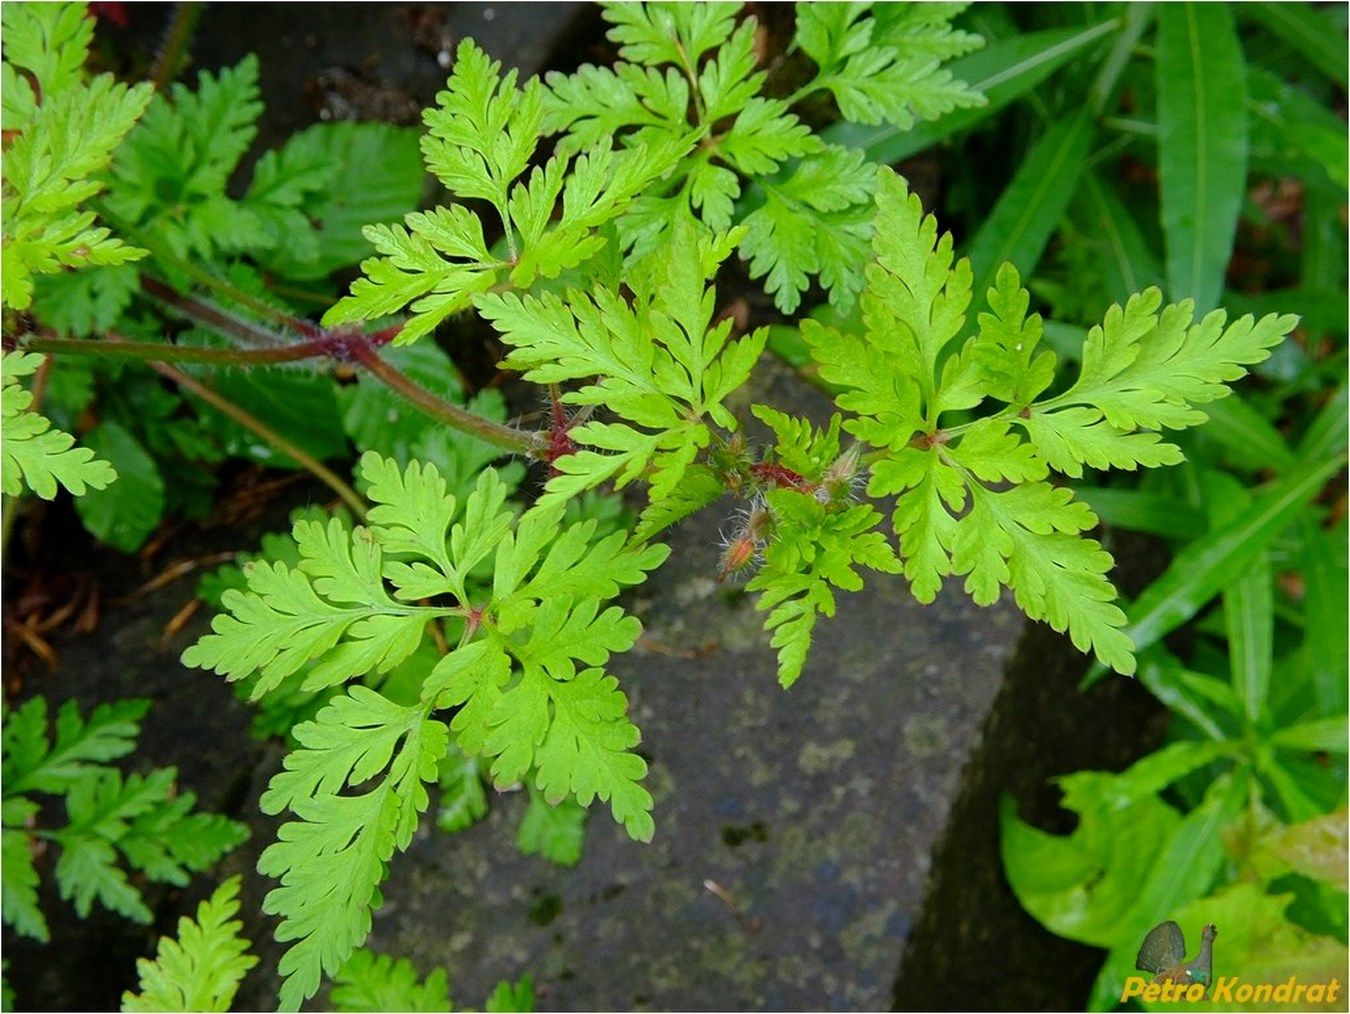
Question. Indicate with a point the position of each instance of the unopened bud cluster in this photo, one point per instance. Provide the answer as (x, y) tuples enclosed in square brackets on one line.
[(743, 476), (745, 545)]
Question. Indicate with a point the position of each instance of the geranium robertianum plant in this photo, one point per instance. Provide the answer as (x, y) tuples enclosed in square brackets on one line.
[(588, 220)]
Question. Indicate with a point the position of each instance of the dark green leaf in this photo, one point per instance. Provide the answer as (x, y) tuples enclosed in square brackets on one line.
[(125, 513), (1142, 511), (296, 402), (378, 179), (1209, 564), (1022, 221), (1320, 41), (82, 303), (1202, 145), (1324, 248), (1130, 265), (377, 419), (1247, 435), (1326, 436)]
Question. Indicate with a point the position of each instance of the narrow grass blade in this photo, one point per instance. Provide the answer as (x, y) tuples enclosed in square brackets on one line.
[(1324, 253), (1327, 734), (1318, 40), (1162, 676), (1130, 265), (1252, 442), (1027, 212), (1325, 605), (1326, 435), (1141, 511), (1248, 602), (1202, 145), (1206, 566)]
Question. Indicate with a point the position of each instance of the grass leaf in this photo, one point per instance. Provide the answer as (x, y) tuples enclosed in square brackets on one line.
[(1026, 214), (1317, 39), (1202, 145), (1206, 566)]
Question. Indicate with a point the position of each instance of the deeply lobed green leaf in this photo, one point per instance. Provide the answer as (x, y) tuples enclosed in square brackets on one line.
[(480, 139), (972, 497), (201, 969), (526, 678)]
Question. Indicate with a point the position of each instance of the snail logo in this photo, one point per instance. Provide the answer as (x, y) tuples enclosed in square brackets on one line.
[(1176, 980), (1164, 954)]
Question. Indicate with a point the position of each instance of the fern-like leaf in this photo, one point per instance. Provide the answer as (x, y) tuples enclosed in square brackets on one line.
[(696, 67), (140, 818), (35, 763), (480, 139), (331, 860), (201, 969), (377, 982), (65, 131), (973, 499), (168, 180), (553, 830), (356, 784), (659, 364), (882, 64), (143, 819), (35, 454), (815, 547)]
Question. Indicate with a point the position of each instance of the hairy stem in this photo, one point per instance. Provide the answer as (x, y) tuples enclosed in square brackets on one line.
[(173, 51), (461, 419), (261, 429), (360, 348), (116, 348), (221, 321), (185, 267)]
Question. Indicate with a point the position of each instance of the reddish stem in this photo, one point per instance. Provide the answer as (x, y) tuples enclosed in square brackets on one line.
[(781, 476)]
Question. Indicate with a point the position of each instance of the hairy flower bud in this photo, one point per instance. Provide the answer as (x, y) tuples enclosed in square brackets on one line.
[(842, 479)]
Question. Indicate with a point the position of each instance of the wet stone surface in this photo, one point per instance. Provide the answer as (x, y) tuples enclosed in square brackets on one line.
[(813, 810), (794, 828)]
